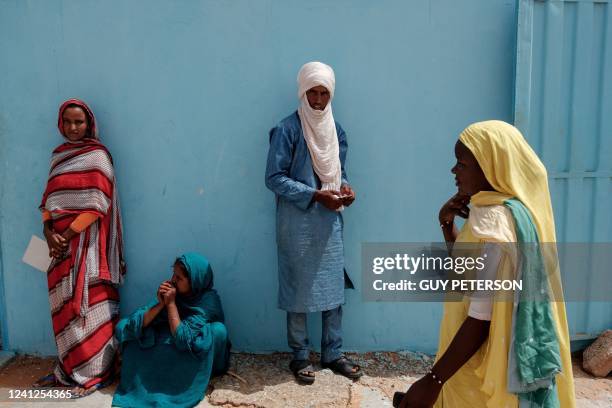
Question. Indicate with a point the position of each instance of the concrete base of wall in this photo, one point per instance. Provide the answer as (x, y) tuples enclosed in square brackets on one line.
[(5, 357)]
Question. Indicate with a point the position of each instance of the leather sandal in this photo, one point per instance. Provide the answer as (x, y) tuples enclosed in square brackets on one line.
[(344, 366), (300, 369)]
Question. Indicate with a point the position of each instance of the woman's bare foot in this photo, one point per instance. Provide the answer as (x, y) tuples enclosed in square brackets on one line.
[(80, 392)]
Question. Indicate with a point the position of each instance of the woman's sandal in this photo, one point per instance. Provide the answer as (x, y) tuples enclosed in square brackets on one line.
[(344, 366), (93, 388), (300, 369), (47, 381)]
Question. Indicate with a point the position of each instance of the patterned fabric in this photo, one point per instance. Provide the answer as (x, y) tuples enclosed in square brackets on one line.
[(82, 180), (86, 345), (82, 285)]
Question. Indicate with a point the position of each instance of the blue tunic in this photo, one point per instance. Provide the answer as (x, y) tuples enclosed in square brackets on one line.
[(308, 235)]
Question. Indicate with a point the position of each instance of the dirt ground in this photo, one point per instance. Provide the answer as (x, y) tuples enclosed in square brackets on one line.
[(259, 381)]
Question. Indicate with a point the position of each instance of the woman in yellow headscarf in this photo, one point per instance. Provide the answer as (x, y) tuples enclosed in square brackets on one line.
[(502, 353)]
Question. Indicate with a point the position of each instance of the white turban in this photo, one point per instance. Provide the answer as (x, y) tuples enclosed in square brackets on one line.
[(319, 127), (314, 74)]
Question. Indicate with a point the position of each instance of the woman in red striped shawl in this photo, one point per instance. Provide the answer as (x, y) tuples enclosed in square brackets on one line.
[(82, 225)]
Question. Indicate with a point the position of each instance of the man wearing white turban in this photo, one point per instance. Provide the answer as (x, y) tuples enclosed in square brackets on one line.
[(305, 170)]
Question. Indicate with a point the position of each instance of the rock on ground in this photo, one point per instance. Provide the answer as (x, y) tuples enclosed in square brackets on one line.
[(597, 358)]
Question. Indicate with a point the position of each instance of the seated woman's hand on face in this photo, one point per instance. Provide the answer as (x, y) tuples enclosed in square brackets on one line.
[(160, 298), (161, 304), (167, 292)]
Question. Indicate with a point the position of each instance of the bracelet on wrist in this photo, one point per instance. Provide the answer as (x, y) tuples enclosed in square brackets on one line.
[(435, 377)]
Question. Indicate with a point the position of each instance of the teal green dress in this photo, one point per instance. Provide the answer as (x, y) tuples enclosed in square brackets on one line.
[(162, 370)]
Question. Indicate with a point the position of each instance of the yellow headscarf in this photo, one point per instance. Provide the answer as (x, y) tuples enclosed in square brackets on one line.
[(513, 169)]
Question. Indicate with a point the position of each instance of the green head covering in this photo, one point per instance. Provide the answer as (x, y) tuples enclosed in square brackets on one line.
[(199, 272), (203, 303)]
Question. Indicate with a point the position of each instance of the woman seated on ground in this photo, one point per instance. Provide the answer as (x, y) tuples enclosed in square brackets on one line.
[(172, 346), (513, 351)]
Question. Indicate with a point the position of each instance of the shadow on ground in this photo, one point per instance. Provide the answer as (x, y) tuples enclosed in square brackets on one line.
[(264, 381)]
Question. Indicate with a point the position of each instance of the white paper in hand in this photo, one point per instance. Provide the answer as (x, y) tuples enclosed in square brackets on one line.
[(37, 254)]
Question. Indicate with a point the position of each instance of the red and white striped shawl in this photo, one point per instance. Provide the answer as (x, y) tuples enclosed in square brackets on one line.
[(82, 180)]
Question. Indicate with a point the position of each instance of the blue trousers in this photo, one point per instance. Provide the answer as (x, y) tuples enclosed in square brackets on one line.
[(331, 338)]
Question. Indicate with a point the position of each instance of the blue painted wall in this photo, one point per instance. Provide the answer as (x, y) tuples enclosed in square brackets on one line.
[(185, 93)]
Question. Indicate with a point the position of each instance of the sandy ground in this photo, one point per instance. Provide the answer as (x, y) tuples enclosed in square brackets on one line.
[(258, 381)]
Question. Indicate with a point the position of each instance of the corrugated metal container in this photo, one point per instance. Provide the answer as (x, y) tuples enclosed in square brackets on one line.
[(563, 105)]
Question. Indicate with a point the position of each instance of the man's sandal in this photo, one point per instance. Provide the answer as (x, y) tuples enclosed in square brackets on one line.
[(344, 366), (300, 369)]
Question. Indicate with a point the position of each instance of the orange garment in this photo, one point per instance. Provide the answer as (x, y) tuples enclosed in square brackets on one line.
[(80, 223)]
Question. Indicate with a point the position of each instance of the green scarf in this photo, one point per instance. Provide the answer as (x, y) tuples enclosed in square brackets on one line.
[(534, 358)]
